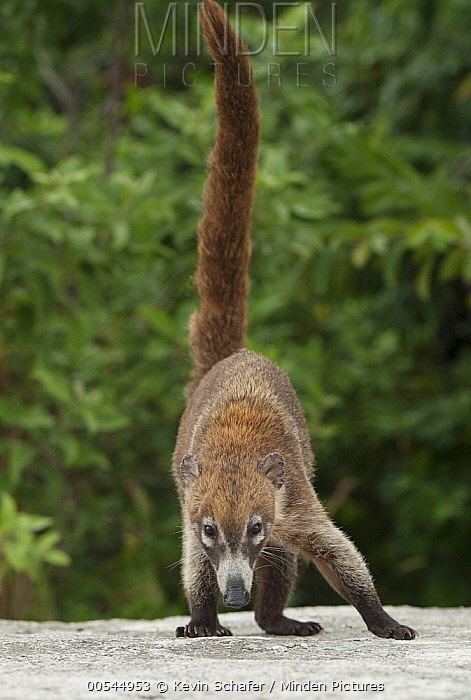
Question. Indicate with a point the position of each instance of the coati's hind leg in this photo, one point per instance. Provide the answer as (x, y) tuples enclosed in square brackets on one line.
[(275, 574), (345, 570), (199, 580)]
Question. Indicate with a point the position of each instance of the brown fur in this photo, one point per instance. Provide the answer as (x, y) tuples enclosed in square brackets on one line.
[(243, 446), (218, 328)]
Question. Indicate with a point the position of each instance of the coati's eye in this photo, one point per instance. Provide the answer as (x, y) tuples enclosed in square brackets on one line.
[(209, 530), (256, 529)]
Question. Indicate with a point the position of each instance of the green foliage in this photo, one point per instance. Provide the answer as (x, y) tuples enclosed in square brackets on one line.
[(23, 549), (361, 274), (26, 544)]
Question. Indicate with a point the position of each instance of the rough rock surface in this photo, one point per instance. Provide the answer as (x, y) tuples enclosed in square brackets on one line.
[(58, 660)]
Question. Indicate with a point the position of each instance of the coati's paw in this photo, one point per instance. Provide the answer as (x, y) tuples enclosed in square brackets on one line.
[(283, 625), (194, 629), (393, 631)]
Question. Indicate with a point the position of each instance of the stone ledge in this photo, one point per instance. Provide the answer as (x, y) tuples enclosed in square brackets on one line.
[(57, 660)]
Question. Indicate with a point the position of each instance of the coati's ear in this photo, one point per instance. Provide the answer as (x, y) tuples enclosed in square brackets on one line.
[(273, 466), (190, 469)]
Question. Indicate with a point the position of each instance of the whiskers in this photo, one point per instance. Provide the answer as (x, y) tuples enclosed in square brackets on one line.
[(173, 566), (276, 559)]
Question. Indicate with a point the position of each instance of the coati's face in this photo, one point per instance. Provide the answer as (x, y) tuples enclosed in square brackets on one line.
[(232, 513), (233, 551)]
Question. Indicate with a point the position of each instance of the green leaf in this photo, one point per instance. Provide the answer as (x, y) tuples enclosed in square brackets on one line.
[(424, 278), (20, 455), (8, 511), (13, 155), (17, 556), (30, 417), (160, 321), (53, 383), (452, 264), (57, 557), (361, 253), (34, 523)]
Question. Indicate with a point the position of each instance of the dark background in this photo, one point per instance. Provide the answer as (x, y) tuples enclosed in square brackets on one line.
[(361, 272)]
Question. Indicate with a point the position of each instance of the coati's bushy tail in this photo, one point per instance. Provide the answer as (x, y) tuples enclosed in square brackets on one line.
[(217, 328)]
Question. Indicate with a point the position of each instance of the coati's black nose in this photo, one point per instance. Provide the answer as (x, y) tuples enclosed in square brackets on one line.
[(236, 595)]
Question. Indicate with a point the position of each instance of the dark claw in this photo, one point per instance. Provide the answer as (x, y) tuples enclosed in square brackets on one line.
[(403, 632), (191, 630), (285, 626), (396, 632)]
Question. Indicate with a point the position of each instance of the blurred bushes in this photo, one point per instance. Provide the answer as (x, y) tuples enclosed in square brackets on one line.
[(361, 274)]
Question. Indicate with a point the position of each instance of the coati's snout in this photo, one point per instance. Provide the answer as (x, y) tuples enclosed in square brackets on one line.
[(232, 512), (236, 595)]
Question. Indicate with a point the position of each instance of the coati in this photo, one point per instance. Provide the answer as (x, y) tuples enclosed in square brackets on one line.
[(243, 458)]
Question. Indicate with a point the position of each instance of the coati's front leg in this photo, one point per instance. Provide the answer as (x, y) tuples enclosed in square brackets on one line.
[(275, 574), (345, 570), (199, 580)]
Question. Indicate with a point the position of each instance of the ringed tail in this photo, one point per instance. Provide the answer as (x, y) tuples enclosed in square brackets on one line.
[(218, 327)]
